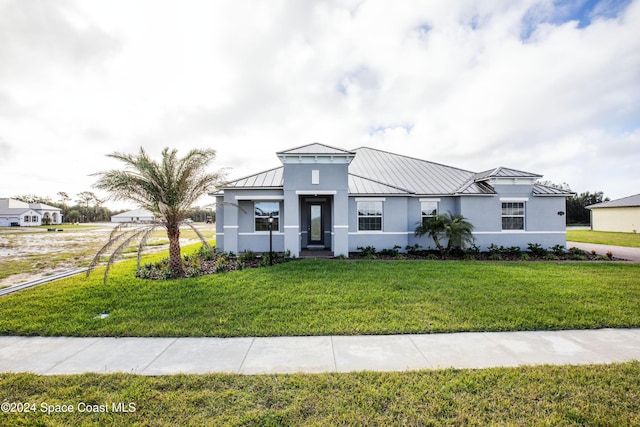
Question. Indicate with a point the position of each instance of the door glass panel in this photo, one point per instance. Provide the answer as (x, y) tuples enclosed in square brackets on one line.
[(316, 223)]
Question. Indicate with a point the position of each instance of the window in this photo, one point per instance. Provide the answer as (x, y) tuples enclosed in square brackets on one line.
[(369, 216), (262, 211), (34, 219), (428, 210), (513, 215), (27, 218)]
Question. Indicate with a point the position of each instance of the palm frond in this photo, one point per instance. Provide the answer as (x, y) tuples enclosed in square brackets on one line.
[(118, 250), (143, 242), (199, 234)]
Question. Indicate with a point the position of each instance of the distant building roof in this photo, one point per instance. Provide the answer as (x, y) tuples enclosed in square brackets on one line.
[(135, 213), (43, 207), (625, 202)]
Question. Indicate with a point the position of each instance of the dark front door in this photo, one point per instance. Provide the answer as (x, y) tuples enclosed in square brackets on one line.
[(315, 229)]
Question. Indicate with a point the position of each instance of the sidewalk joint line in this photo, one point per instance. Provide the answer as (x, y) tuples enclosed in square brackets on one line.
[(253, 339), (94, 339), (159, 354)]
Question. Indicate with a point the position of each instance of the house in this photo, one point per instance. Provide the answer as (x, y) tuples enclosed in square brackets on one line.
[(18, 213), (622, 215), (136, 215), (329, 198)]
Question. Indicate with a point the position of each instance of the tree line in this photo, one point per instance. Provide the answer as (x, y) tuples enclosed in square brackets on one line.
[(88, 207)]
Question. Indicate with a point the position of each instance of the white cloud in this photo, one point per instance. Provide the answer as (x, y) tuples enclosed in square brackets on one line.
[(452, 82)]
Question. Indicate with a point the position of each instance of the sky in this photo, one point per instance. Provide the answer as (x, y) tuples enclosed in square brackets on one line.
[(550, 87)]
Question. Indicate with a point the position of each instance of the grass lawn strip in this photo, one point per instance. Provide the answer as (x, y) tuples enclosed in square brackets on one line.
[(631, 240), (334, 297), (542, 395)]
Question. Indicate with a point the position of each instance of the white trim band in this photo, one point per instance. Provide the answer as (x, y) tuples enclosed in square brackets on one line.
[(370, 199), (514, 199), (258, 197), (316, 192)]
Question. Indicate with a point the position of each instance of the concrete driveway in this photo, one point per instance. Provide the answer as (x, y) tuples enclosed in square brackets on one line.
[(630, 254)]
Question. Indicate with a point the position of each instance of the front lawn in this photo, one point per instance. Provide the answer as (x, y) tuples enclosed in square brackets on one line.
[(340, 297), (542, 395), (631, 240)]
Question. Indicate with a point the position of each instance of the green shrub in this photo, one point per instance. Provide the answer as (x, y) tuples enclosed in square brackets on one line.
[(246, 256), (537, 249), (367, 251), (389, 252), (551, 257), (558, 250)]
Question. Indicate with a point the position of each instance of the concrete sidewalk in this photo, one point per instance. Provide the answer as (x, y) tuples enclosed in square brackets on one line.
[(163, 356)]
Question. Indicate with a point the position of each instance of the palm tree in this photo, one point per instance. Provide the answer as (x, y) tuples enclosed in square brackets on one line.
[(455, 228), (168, 189)]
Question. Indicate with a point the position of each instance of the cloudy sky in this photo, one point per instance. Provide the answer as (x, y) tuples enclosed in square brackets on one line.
[(551, 87)]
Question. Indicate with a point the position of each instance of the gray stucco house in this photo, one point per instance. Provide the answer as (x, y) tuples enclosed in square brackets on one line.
[(329, 198)]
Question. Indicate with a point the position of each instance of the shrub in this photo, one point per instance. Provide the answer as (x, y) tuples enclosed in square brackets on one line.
[(473, 250), (537, 249), (389, 252), (558, 250), (551, 257), (495, 256), (246, 256), (368, 251), (577, 252), (525, 257), (609, 255), (206, 253), (413, 249), (513, 251), (493, 249)]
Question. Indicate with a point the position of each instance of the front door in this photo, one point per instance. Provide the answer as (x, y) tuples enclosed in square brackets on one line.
[(315, 228)]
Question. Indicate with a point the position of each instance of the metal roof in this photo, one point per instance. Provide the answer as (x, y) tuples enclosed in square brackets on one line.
[(272, 178), (315, 148), (625, 202), (361, 185), (502, 172), (375, 171), (415, 175), (544, 190)]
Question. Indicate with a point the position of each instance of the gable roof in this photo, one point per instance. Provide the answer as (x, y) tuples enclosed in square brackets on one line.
[(43, 207), (315, 148), (625, 202), (502, 172)]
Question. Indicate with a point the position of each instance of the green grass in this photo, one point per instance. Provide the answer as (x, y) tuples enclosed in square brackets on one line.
[(341, 297), (631, 240), (528, 396)]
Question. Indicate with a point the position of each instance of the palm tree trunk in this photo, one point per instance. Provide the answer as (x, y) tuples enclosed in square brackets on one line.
[(175, 258)]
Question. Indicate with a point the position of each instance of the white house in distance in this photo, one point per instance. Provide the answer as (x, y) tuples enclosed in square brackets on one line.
[(621, 215), (136, 215), (18, 213)]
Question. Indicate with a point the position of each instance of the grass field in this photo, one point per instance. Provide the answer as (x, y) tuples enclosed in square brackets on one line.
[(339, 297), (600, 395), (604, 238)]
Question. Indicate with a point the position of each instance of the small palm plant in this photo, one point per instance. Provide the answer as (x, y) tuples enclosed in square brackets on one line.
[(167, 188), (455, 228)]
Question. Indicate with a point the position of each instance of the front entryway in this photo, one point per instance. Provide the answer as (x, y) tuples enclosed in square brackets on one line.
[(315, 223)]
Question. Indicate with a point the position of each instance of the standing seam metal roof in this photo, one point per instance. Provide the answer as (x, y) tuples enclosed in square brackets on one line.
[(375, 171)]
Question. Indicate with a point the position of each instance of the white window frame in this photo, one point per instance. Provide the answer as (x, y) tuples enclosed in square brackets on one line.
[(381, 215), (423, 217), (276, 218), (27, 218), (512, 215)]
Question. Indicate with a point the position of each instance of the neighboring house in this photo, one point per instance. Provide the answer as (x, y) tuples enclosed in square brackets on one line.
[(622, 215), (137, 215), (18, 213), (325, 197)]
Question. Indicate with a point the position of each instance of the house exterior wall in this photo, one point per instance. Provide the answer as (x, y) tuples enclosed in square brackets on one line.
[(621, 219), (543, 225), (394, 224), (235, 221)]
